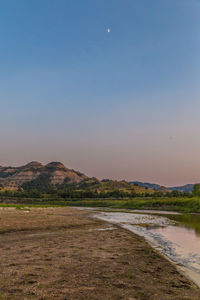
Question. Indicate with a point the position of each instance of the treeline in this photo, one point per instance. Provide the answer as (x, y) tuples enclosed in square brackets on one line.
[(70, 193), (21, 194)]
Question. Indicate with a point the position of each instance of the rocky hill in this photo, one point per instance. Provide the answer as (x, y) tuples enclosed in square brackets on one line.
[(45, 178), (35, 173)]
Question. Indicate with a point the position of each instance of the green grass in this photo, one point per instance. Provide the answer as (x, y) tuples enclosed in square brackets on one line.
[(171, 204), (24, 206)]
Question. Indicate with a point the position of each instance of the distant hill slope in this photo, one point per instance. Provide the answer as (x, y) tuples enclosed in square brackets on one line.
[(107, 186), (148, 185), (152, 186), (157, 187), (183, 188), (43, 178)]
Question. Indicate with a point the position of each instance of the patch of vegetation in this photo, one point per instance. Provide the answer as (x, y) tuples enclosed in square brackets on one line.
[(93, 197), (5, 175), (39, 185), (188, 205), (170, 204)]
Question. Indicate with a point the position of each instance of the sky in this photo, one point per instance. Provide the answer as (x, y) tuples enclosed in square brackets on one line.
[(122, 104)]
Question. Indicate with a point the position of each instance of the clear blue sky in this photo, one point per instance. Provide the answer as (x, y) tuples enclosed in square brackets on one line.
[(122, 105)]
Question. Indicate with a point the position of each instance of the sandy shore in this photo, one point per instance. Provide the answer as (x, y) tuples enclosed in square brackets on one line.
[(62, 253)]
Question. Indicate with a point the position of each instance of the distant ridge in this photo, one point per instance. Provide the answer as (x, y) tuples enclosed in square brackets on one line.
[(35, 175), (148, 185), (157, 187), (183, 188)]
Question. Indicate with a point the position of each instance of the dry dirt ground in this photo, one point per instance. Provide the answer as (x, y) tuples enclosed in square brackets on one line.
[(62, 253)]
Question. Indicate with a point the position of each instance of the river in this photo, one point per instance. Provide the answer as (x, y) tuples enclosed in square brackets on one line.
[(175, 235)]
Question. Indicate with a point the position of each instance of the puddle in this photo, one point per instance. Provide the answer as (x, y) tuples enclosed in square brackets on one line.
[(102, 229)]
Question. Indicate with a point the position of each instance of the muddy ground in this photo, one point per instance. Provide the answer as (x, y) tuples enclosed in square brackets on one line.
[(62, 253)]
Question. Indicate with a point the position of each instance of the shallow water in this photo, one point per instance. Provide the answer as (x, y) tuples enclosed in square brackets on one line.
[(177, 236)]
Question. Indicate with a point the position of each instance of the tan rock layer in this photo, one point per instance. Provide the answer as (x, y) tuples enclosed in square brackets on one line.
[(13, 177)]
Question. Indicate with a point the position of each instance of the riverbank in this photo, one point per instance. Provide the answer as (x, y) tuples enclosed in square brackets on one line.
[(176, 235), (179, 204), (63, 253), (188, 205)]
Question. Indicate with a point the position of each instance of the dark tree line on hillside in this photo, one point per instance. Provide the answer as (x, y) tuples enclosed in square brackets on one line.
[(70, 193), (196, 190)]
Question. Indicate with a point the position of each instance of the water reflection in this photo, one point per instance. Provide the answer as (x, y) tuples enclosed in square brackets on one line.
[(175, 235), (183, 237), (190, 221)]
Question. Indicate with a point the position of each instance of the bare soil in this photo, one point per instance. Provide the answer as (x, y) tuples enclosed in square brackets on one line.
[(62, 253)]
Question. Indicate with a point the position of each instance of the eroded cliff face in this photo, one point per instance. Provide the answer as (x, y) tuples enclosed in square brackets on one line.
[(59, 176), (59, 173), (21, 177), (12, 178)]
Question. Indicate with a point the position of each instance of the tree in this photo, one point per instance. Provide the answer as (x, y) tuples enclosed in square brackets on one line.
[(196, 189)]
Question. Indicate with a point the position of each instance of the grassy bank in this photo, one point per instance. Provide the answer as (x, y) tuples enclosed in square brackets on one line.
[(172, 204)]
